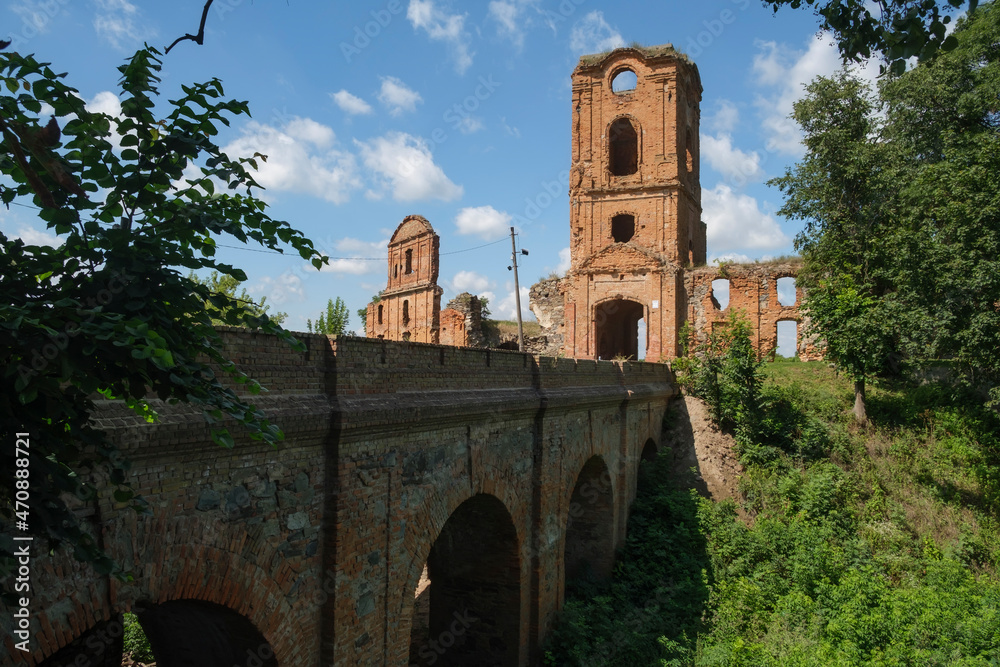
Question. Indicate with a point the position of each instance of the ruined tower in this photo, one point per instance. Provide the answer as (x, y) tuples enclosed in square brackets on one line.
[(635, 202), (410, 306)]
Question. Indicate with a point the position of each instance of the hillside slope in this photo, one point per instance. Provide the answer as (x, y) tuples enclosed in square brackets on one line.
[(838, 545)]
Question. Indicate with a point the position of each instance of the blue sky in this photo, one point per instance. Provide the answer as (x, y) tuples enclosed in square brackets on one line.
[(457, 111)]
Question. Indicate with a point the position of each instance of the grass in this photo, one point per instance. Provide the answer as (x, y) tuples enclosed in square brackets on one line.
[(507, 328), (866, 545)]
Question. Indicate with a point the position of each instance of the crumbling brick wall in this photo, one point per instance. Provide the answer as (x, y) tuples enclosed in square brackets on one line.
[(461, 322), (753, 291), (545, 299)]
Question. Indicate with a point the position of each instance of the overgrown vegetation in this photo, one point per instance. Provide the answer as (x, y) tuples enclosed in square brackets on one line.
[(875, 545), (651, 612), (227, 285), (138, 200), (135, 643), (899, 195)]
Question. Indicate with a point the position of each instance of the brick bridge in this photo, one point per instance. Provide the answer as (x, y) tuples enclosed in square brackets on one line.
[(497, 475)]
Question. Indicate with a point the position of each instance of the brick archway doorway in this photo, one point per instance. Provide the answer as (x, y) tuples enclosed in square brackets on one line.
[(616, 329)]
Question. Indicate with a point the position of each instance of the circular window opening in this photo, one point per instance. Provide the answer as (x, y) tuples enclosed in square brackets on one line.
[(624, 82)]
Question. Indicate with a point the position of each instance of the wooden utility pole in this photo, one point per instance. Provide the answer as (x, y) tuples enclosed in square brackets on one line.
[(517, 293)]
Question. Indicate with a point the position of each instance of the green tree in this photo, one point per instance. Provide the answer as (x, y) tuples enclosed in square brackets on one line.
[(333, 322), (108, 312), (363, 312), (894, 29), (227, 285), (902, 211), (945, 118), (843, 192)]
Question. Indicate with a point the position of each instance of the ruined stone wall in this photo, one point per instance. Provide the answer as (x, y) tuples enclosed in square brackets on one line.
[(462, 322), (753, 291), (240, 528), (546, 300)]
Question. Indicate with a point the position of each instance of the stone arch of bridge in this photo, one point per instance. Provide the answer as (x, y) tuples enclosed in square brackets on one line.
[(195, 633), (589, 538), (236, 599), (649, 451), (470, 602)]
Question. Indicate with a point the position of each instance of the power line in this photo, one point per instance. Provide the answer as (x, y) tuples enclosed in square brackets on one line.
[(356, 259)]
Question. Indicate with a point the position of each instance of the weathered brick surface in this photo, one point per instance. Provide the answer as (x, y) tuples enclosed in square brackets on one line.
[(321, 542), (462, 322), (410, 306), (753, 291), (636, 235), (631, 233)]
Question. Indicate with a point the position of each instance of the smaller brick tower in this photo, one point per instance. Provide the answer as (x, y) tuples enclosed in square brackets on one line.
[(410, 306)]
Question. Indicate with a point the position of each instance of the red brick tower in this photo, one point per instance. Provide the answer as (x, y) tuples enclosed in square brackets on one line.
[(635, 202), (410, 306)]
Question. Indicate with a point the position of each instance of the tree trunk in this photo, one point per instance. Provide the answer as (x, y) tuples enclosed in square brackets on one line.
[(860, 415)]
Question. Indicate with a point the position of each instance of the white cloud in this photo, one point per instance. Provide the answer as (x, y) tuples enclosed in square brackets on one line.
[(786, 72), (469, 124), (36, 14), (734, 165), (406, 164), (105, 102), (300, 158), (565, 262), (309, 131), (285, 288), (470, 281), (592, 34), (507, 308), (512, 131), (395, 95), (32, 236), (350, 103), (355, 257), (725, 117), (483, 221), (735, 221), (732, 257), (119, 22), (441, 26), (512, 22)]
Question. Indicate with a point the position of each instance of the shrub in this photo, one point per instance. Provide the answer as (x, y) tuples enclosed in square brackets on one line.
[(136, 643)]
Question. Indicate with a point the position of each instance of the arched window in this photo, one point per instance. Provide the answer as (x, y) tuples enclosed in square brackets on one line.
[(380, 313), (406, 312), (689, 152), (623, 148), (624, 82), (622, 227), (409, 262), (720, 293), (786, 291)]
